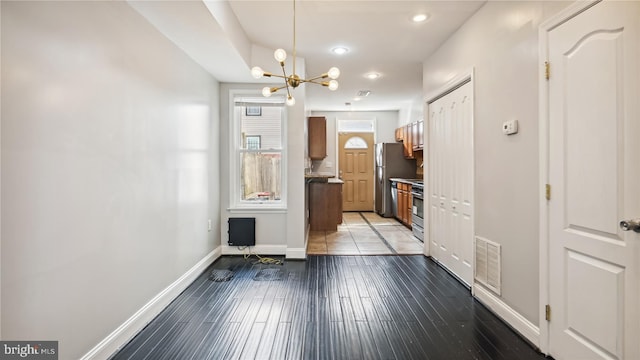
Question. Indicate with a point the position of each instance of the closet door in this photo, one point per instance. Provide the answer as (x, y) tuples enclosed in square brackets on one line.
[(451, 181)]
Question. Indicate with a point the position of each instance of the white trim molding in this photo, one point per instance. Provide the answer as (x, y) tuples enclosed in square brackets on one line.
[(296, 253), (125, 332), (518, 322), (252, 250), (289, 253)]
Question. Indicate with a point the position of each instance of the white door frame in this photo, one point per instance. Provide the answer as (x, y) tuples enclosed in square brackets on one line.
[(464, 77), (543, 129)]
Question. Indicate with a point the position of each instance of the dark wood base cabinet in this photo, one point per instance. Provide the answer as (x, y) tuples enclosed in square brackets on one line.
[(325, 205)]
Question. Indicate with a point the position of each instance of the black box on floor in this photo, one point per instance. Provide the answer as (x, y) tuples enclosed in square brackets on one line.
[(242, 231)]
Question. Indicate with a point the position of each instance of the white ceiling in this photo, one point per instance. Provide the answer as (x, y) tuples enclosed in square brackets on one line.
[(380, 35)]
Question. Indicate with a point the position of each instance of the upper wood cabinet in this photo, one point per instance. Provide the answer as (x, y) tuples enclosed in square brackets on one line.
[(317, 137), (412, 136), (418, 135), (408, 141), (399, 134)]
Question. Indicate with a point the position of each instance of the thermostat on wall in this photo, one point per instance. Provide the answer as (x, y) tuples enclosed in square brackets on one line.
[(510, 127)]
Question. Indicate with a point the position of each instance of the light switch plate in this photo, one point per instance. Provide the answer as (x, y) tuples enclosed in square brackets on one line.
[(510, 127)]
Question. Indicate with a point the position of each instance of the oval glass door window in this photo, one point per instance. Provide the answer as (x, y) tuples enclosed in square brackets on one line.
[(356, 142)]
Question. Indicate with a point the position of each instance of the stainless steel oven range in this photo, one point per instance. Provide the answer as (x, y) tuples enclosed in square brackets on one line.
[(417, 219)]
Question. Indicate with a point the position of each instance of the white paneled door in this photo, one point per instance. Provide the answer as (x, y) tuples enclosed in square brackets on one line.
[(451, 181), (594, 173)]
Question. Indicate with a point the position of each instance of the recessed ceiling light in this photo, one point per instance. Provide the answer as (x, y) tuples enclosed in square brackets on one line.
[(420, 17), (357, 98), (372, 75), (340, 50)]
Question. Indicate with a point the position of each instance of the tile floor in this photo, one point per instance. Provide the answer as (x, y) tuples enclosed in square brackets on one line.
[(365, 233)]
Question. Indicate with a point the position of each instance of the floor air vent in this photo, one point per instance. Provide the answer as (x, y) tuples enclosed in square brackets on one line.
[(488, 264), (220, 275), (269, 275)]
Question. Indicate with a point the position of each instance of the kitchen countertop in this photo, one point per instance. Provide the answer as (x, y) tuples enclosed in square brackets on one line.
[(319, 175)]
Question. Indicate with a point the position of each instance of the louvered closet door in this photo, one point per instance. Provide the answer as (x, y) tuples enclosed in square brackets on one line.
[(451, 185)]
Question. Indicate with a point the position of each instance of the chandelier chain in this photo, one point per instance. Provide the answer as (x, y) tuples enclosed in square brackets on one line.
[(294, 36)]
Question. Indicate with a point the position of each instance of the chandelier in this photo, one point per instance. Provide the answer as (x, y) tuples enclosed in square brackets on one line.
[(294, 80)]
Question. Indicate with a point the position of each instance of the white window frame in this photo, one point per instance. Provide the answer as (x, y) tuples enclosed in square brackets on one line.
[(235, 149)]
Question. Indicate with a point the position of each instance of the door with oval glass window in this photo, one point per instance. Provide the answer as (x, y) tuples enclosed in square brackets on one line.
[(356, 170)]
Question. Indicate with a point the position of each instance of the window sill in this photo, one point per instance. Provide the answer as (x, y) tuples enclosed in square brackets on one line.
[(265, 209)]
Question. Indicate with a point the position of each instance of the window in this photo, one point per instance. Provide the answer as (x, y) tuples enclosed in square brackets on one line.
[(252, 142), (253, 110), (258, 171)]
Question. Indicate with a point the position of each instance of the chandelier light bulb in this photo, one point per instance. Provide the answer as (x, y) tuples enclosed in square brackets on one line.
[(280, 55), (290, 101), (266, 91), (334, 72), (257, 72), (333, 85)]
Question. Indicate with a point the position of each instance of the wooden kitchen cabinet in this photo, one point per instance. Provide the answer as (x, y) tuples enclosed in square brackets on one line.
[(317, 127), (408, 141), (325, 205), (411, 136), (399, 134), (405, 203), (421, 135), (402, 205), (418, 136)]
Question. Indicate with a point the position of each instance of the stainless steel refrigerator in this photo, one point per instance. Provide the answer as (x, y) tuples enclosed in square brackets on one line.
[(390, 163)]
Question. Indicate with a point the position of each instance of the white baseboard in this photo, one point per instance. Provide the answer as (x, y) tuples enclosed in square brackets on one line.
[(289, 253), (518, 322), (296, 253), (258, 249), (125, 332)]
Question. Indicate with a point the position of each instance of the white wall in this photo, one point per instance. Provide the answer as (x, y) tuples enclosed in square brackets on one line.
[(109, 158), (386, 124), (501, 43)]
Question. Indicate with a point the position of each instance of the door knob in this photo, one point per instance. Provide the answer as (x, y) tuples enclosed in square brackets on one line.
[(633, 224)]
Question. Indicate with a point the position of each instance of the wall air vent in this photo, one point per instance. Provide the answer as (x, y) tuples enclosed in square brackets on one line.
[(488, 264)]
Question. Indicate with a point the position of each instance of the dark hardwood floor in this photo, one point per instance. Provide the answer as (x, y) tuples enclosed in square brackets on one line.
[(328, 307)]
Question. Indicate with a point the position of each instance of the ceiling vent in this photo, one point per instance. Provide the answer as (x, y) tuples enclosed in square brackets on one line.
[(363, 93)]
